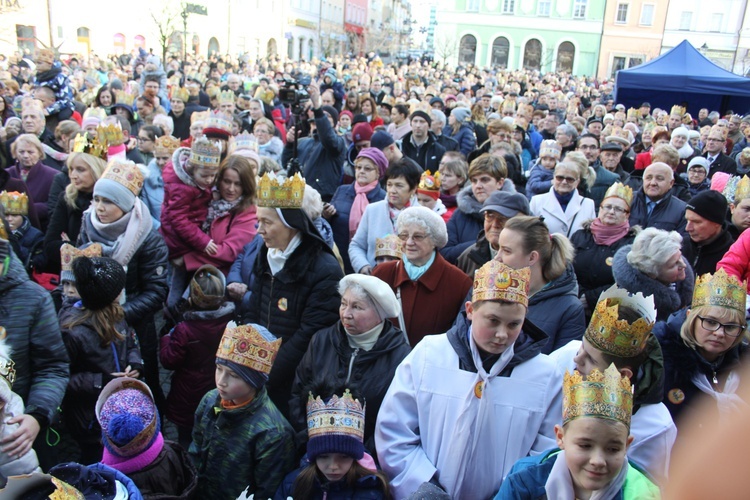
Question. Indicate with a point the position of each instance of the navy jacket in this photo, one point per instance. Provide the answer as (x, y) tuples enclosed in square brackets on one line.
[(668, 215)]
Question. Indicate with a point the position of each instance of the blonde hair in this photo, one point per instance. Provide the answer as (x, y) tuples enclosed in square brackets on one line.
[(555, 250), (687, 331), (95, 164)]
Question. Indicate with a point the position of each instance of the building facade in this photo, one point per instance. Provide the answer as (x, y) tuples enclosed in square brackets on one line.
[(546, 35)]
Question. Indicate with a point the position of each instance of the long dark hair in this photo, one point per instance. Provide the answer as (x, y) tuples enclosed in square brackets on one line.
[(304, 485)]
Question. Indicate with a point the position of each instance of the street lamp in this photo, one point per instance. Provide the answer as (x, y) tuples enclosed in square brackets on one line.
[(184, 15)]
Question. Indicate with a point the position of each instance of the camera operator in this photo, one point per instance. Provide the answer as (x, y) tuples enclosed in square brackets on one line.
[(321, 155)]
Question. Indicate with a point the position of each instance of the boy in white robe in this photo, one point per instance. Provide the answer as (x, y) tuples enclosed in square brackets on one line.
[(465, 405)]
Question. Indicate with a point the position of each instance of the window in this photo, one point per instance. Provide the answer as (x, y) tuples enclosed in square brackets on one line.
[(618, 63), (565, 55), (621, 17), (509, 6), (472, 5), (686, 19), (26, 38), (543, 8), (647, 15), (635, 61), (500, 48), (625, 61), (467, 49), (579, 9), (532, 55), (716, 22)]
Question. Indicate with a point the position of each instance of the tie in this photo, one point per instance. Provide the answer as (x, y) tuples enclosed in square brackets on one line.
[(650, 207)]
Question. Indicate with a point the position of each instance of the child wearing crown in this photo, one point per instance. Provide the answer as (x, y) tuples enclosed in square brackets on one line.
[(704, 351), (336, 464), (464, 406), (27, 239), (591, 462), (240, 440), (620, 334)]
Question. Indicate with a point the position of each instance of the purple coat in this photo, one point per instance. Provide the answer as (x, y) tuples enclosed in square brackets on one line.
[(9, 184), (39, 183)]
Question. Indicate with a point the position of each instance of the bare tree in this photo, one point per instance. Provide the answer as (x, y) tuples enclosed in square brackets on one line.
[(445, 47), (166, 22)]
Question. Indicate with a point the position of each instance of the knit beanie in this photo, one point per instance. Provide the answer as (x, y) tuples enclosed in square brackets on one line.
[(710, 205), (361, 132), (335, 426), (249, 351), (377, 157), (99, 281), (421, 114), (120, 183), (331, 111), (381, 140), (347, 113), (461, 114)]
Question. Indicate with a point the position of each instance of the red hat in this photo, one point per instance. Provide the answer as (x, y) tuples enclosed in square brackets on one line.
[(361, 132)]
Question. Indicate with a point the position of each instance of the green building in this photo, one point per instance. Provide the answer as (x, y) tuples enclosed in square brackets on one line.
[(547, 35)]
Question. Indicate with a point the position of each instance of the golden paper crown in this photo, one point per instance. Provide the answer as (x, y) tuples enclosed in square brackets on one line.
[(90, 146), (110, 134), (677, 110), (14, 203), (509, 105), (126, 98), (496, 281), (126, 173), (166, 145), (199, 116), (632, 113), (243, 141), (217, 123), (722, 131), (389, 246), (69, 253), (45, 56), (288, 194), (720, 289), (619, 190), (95, 113), (743, 189), (226, 97), (605, 395), (205, 154), (615, 336), (181, 94), (429, 182), (245, 346), (342, 416)]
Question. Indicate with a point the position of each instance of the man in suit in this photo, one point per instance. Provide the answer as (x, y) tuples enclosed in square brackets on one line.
[(654, 204), (717, 160)]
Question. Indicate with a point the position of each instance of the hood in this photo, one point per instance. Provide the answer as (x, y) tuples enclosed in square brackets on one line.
[(179, 160), (566, 284), (226, 309), (467, 203), (14, 275), (324, 228)]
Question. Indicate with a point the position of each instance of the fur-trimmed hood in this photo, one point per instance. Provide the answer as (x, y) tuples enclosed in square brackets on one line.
[(179, 161)]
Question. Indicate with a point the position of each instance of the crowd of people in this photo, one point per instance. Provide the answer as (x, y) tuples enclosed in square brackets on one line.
[(367, 280)]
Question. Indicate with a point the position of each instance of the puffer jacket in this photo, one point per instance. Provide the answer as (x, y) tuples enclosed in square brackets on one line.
[(556, 310), (171, 476), (242, 272), (332, 362), (465, 137), (366, 488), (64, 219), (737, 259), (298, 301), (190, 350), (540, 180), (28, 316)]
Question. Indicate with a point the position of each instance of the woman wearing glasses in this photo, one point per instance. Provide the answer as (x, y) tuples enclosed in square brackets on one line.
[(704, 352), (147, 136), (597, 242), (563, 208)]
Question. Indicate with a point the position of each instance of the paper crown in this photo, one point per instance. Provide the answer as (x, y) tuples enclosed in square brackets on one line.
[(496, 281), (677, 110), (243, 141), (602, 395), (245, 346), (45, 56), (737, 189), (632, 113), (273, 194), (14, 203), (343, 416), (550, 147), (126, 173), (181, 93), (217, 124), (95, 113), (7, 365), (226, 97), (389, 246), (720, 289), (205, 154), (619, 190), (199, 116), (123, 97), (617, 337), (69, 253), (90, 146), (430, 184), (166, 145), (110, 134), (722, 131)]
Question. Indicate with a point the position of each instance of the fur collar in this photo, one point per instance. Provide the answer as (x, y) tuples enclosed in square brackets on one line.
[(179, 160)]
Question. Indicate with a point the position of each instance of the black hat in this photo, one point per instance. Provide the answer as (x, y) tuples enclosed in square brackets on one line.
[(358, 118), (645, 105), (421, 114), (99, 281), (331, 111), (711, 205), (381, 140), (436, 100), (594, 119), (611, 146)]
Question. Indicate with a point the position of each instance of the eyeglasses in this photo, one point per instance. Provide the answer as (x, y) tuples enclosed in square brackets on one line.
[(261, 131), (588, 148), (730, 330), (491, 216), (416, 238), (143, 139), (505, 137), (562, 178), (612, 208), (711, 139)]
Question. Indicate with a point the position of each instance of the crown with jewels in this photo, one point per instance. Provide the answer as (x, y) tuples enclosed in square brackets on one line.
[(126, 173), (602, 395), (69, 253), (205, 154), (496, 281), (632, 113), (14, 203), (166, 145), (226, 97), (429, 183), (389, 245), (619, 190), (342, 416), (243, 141), (110, 134), (245, 346), (737, 189), (677, 110), (218, 124), (90, 146), (720, 289), (181, 94), (615, 336), (123, 97), (275, 194)]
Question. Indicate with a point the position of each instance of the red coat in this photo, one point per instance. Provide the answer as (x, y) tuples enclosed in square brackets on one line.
[(230, 233), (736, 262), (376, 122), (431, 303)]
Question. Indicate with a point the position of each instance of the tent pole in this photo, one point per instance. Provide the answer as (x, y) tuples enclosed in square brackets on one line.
[(601, 38)]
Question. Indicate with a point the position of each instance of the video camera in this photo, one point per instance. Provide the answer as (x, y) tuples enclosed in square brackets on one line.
[(294, 93)]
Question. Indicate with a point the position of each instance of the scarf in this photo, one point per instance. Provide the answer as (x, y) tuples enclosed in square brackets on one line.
[(134, 464), (606, 235), (415, 272), (449, 200), (394, 212), (277, 258), (54, 154), (560, 485), (365, 340), (727, 401), (359, 205), (564, 199), (218, 209), (122, 238)]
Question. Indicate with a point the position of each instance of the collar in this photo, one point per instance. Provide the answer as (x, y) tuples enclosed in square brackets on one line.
[(430, 279), (419, 144)]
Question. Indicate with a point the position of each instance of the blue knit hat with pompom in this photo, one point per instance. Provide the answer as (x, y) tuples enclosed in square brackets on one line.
[(128, 417)]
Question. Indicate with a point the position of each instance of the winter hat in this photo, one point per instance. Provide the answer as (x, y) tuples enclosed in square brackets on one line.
[(335, 426), (377, 290), (461, 114), (550, 147), (120, 183), (331, 111), (719, 181), (69, 253), (347, 113), (7, 368), (507, 204), (128, 417), (699, 162), (361, 132), (429, 184), (710, 205), (99, 281), (331, 72), (249, 351), (381, 140), (377, 157), (421, 114), (436, 100)]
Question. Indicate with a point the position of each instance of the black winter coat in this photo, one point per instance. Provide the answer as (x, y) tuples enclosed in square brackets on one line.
[(703, 258), (63, 219), (428, 156), (59, 183), (298, 301), (668, 215), (328, 362), (171, 476)]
